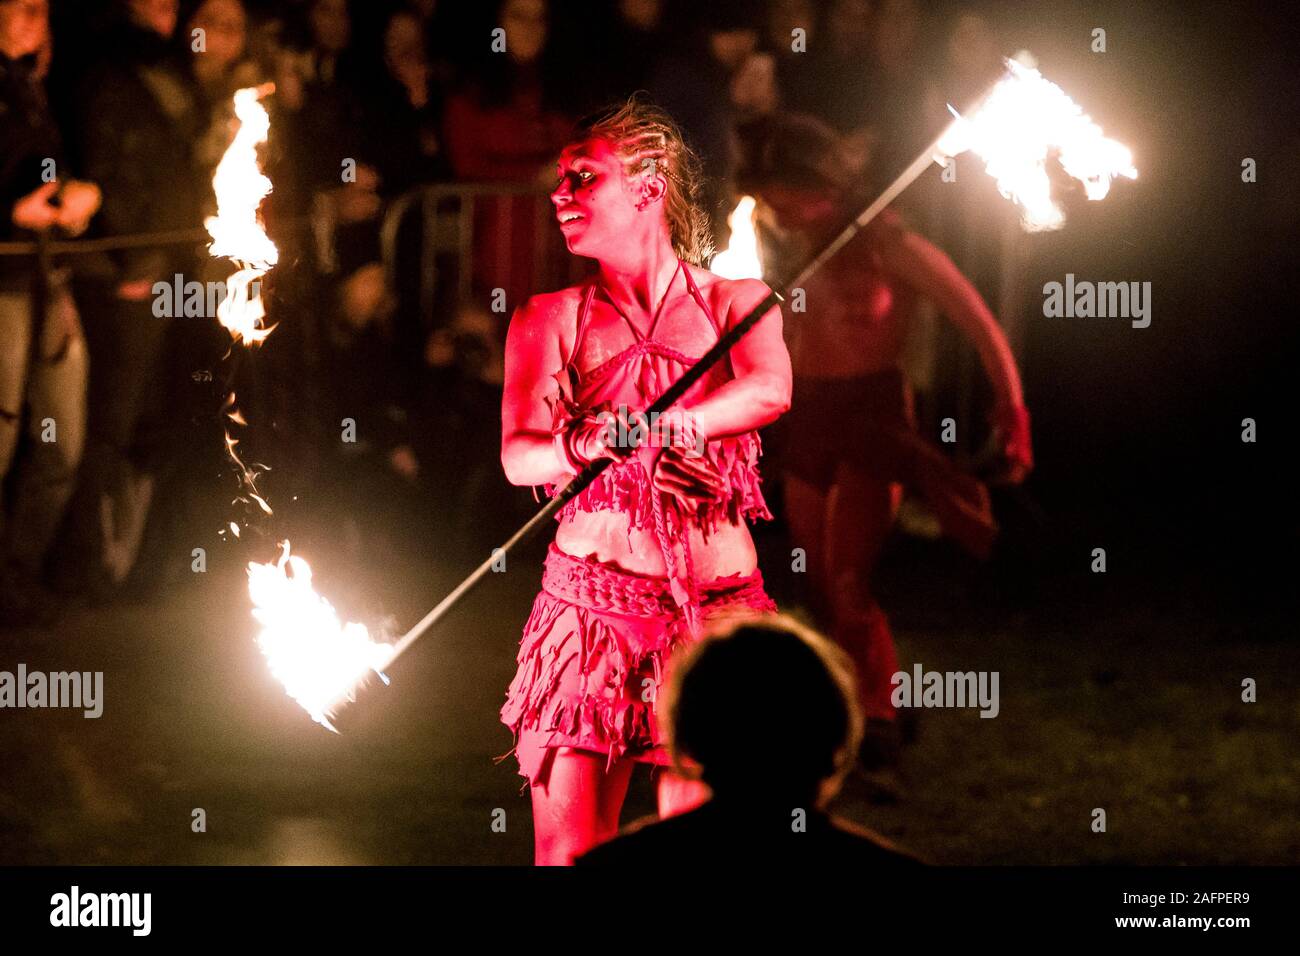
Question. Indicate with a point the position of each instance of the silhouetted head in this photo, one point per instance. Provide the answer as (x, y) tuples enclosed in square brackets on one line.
[(764, 709)]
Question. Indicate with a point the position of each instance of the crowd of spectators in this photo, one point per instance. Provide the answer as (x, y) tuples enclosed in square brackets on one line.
[(113, 120)]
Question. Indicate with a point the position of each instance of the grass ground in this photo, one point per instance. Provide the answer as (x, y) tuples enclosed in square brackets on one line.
[(1125, 704)]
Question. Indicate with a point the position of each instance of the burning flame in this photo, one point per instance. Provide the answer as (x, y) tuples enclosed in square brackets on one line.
[(1025, 119), (236, 231), (740, 259), (247, 474), (319, 661)]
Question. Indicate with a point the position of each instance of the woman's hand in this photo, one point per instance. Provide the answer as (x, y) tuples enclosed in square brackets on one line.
[(595, 436), (1011, 425), (691, 478), (78, 202), (36, 211)]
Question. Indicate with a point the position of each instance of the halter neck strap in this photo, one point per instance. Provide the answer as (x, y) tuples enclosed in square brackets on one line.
[(659, 309), (585, 310)]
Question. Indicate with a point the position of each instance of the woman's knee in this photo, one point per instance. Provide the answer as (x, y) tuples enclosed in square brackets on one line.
[(566, 807), (677, 794)]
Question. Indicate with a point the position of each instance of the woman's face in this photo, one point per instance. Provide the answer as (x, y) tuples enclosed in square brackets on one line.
[(595, 202), (525, 24), (223, 24), (156, 15), (799, 208), (404, 43), (330, 25), (24, 27)]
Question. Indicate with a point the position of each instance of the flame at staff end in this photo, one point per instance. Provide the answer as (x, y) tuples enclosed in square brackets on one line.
[(1022, 121), (740, 260), (236, 230), (319, 660)]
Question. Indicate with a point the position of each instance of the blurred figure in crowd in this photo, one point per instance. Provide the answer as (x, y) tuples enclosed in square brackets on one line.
[(137, 124), (904, 107), (218, 38), (43, 362), (850, 445), (325, 126), (694, 85), (505, 125), (637, 35), (405, 116), (803, 85), (328, 125), (770, 786), (405, 110)]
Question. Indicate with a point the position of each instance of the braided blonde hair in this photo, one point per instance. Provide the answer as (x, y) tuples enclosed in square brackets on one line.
[(648, 140)]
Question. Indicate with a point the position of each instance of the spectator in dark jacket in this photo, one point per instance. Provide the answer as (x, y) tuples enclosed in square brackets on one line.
[(137, 127), (42, 352)]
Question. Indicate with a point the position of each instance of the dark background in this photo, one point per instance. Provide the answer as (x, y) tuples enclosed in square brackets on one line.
[(1120, 690)]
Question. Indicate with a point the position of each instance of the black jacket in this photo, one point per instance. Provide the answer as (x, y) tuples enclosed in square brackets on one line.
[(29, 139), (732, 834), (138, 124)]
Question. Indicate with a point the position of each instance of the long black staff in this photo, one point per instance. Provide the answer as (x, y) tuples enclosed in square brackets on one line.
[(1014, 124), (675, 391)]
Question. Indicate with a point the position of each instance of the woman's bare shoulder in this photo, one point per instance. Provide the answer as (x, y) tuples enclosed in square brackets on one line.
[(549, 313), (729, 297)]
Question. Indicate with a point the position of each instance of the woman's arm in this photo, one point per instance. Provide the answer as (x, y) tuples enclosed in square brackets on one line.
[(760, 392), (528, 452), (928, 270)]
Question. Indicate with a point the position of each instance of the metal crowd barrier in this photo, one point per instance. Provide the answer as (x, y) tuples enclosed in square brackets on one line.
[(448, 218)]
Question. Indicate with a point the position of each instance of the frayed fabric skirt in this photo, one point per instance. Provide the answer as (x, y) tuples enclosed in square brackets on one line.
[(594, 657)]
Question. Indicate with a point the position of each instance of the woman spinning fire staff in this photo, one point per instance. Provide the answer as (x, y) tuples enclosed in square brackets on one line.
[(658, 543)]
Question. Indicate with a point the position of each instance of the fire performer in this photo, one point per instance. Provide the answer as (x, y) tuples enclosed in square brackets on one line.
[(851, 445), (658, 543)]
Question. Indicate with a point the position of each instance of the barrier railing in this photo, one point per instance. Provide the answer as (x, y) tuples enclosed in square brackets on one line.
[(451, 244)]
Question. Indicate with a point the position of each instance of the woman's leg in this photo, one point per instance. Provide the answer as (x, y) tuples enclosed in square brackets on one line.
[(805, 508), (577, 804), (860, 515)]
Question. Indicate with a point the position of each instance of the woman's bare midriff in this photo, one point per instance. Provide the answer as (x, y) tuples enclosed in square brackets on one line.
[(856, 328), (603, 536), (846, 351)]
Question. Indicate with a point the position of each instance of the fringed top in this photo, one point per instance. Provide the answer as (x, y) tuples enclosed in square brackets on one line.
[(634, 378)]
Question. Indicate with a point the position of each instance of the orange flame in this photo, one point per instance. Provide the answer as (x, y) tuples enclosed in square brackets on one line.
[(1024, 119), (247, 476), (319, 660), (740, 260), (236, 230)]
